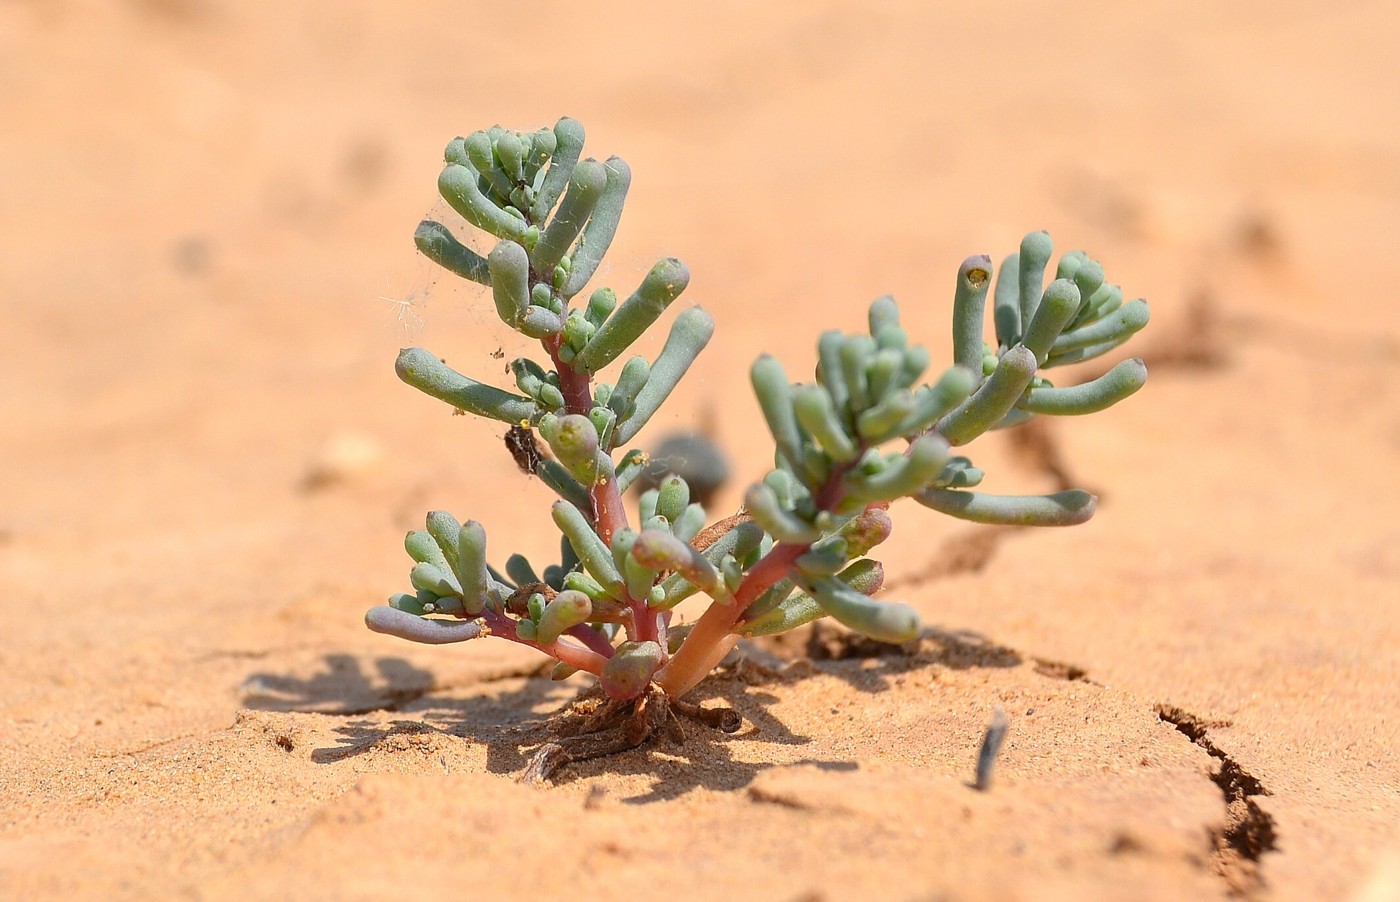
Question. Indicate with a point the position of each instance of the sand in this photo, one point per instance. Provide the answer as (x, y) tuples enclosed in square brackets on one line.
[(207, 464)]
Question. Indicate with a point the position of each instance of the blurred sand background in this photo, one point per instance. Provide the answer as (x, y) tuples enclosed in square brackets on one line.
[(207, 465)]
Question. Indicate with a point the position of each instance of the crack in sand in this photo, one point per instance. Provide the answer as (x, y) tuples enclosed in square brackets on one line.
[(1248, 831)]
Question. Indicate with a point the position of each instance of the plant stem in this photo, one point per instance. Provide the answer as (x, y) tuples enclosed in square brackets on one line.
[(692, 661), (573, 385), (574, 655), (608, 513), (609, 517), (695, 657), (646, 628), (591, 638)]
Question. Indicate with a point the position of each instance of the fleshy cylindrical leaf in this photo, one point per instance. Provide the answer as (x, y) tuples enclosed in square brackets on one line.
[(444, 529), (690, 522), (883, 422), (520, 570), (959, 473), (1088, 278), (663, 551), (817, 414), (672, 497), (602, 225), (1098, 394), (601, 304), (629, 383), (883, 314), (538, 322), (528, 374), (510, 150), (920, 466), (1036, 249), (1006, 306), (762, 504), (423, 548), (1067, 508), (934, 401), (866, 530), (825, 558), (882, 621), (425, 372), (883, 373), (1069, 264), (432, 578), (577, 330), (510, 281), (436, 242), (689, 335), (477, 585), (865, 577), (774, 392), (829, 368), (632, 465), (667, 279), (637, 577), (457, 185), (992, 400), (541, 148), (856, 353), (480, 153), (916, 360), (393, 622), (574, 441), (563, 612), (1118, 325), (597, 558), (741, 540), (1056, 308), (1103, 302), (585, 187), (969, 308), (629, 671), (456, 151), (568, 135)]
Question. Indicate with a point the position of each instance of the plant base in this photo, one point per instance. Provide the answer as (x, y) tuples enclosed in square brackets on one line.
[(596, 726)]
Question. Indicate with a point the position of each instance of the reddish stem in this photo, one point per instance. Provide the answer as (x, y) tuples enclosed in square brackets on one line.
[(609, 516), (592, 638), (645, 625), (692, 659), (608, 513), (574, 655), (573, 385), (684, 670)]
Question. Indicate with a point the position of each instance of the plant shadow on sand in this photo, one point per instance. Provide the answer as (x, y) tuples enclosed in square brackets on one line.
[(513, 714)]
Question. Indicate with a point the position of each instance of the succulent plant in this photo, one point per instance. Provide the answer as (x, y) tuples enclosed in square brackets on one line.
[(872, 426)]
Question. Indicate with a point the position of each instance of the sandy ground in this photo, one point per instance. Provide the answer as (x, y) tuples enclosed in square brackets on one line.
[(207, 465)]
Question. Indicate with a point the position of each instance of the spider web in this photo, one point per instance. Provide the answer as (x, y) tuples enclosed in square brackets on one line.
[(423, 301)]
